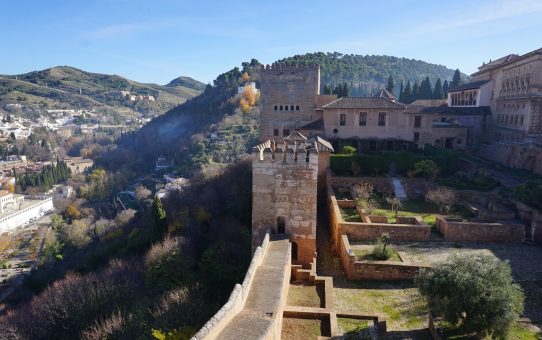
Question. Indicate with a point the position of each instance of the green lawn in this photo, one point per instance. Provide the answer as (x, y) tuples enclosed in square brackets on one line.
[(350, 215), (401, 302)]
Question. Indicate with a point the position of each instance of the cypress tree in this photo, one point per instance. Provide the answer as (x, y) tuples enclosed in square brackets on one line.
[(407, 95), (346, 90), (390, 85), (416, 91), (401, 94), (340, 91), (457, 79), (445, 86), (160, 219), (426, 92), (437, 93)]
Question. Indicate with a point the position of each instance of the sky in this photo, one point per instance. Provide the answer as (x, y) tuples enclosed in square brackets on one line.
[(159, 40)]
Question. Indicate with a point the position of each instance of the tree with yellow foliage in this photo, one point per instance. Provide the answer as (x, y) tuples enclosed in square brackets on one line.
[(249, 98)]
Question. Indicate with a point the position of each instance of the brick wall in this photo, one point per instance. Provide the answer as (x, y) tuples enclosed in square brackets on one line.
[(478, 231), (374, 270), (415, 230)]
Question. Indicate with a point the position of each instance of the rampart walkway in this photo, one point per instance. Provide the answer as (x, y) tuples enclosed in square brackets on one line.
[(264, 298)]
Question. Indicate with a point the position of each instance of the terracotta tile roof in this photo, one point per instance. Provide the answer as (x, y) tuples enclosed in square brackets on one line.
[(363, 103), (468, 86), (449, 110), (316, 125)]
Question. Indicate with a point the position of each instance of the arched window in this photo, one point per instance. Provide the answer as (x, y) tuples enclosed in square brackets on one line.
[(291, 107), (285, 107), (281, 225), (297, 107), (280, 107), (276, 107), (294, 251)]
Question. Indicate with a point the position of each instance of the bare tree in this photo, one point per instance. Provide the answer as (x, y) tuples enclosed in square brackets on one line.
[(141, 193), (395, 203), (444, 197)]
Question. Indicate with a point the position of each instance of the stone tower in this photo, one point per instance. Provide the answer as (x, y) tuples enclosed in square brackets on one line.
[(289, 99), (285, 175)]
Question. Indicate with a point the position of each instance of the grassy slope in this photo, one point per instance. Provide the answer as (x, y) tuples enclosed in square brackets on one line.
[(64, 83)]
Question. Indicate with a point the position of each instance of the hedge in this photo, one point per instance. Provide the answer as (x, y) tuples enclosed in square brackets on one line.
[(446, 160)]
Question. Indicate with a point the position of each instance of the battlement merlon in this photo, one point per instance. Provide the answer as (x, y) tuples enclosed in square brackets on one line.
[(294, 148), (276, 67)]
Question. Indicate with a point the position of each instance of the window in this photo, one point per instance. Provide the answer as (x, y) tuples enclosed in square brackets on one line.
[(297, 107), (275, 132), (382, 119), (521, 120), (286, 132), (276, 107), (342, 119), (443, 120), (285, 107), (459, 141), (280, 107), (417, 121), (291, 107), (362, 118), (416, 136)]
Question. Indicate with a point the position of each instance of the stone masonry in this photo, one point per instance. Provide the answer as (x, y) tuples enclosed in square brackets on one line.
[(284, 192)]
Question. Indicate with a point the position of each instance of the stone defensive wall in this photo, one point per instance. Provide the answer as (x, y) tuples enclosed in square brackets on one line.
[(374, 270), (407, 228), (480, 231), (244, 300), (237, 299)]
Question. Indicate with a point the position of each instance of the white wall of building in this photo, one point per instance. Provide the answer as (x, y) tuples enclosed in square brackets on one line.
[(19, 217)]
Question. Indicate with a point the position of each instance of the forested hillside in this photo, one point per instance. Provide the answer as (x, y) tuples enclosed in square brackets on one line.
[(66, 87), (365, 74)]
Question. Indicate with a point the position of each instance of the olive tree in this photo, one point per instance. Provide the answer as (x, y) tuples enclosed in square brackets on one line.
[(473, 293)]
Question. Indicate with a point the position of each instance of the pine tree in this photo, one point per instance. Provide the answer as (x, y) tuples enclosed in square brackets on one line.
[(457, 79), (407, 95), (160, 219), (437, 93), (390, 85), (401, 93)]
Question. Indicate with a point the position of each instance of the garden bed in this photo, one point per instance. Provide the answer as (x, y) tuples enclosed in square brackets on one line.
[(307, 294), (302, 329), (364, 253)]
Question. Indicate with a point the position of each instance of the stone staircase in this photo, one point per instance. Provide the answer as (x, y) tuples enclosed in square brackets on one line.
[(398, 188)]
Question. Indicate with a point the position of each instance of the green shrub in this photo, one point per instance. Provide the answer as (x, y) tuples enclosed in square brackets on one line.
[(348, 150), (530, 193), (167, 263), (382, 251), (446, 160), (473, 293)]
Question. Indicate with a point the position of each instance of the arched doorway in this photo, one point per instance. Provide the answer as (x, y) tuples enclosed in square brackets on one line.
[(281, 225), (294, 251)]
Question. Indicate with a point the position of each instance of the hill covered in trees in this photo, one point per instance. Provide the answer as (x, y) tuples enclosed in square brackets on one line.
[(66, 87), (366, 74)]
